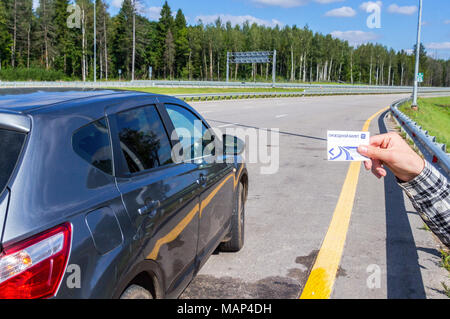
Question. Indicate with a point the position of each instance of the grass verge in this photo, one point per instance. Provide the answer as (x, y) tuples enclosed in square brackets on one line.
[(445, 262), (433, 115), (176, 90)]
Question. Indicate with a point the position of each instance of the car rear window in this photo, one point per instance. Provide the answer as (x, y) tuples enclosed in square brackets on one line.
[(11, 144), (92, 143), (143, 139)]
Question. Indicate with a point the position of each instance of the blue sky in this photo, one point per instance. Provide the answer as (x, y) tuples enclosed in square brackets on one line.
[(345, 19)]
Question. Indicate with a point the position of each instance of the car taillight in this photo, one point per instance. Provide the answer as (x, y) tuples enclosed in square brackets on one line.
[(34, 267)]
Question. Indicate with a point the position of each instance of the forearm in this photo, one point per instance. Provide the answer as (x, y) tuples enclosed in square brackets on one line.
[(430, 195)]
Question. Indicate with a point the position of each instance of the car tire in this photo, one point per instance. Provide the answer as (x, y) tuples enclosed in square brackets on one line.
[(136, 292), (236, 242)]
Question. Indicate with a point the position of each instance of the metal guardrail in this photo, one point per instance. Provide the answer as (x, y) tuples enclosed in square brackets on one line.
[(221, 96), (434, 152), (216, 84)]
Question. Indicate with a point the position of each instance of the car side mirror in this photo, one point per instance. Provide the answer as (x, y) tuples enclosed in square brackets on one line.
[(232, 145)]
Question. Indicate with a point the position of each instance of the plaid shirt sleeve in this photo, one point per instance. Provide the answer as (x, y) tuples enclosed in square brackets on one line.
[(430, 195)]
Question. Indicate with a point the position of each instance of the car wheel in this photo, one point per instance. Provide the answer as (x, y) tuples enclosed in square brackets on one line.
[(136, 292), (237, 224)]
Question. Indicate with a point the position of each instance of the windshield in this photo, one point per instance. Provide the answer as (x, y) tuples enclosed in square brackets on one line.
[(11, 143)]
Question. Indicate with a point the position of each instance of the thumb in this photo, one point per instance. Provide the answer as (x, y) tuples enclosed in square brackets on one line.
[(372, 152)]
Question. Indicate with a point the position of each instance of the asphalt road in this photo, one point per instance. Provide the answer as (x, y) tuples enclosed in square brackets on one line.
[(288, 213)]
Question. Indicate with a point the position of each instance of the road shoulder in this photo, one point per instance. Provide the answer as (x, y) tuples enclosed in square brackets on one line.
[(388, 253)]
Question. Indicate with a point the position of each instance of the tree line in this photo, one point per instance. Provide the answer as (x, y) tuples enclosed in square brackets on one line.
[(128, 44)]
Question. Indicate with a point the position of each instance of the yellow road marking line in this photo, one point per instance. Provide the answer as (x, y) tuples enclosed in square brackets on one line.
[(178, 229), (323, 274), (367, 124)]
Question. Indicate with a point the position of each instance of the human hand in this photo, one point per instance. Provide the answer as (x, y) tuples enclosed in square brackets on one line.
[(392, 151)]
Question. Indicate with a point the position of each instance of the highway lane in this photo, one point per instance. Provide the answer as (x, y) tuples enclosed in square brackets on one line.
[(288, 213)]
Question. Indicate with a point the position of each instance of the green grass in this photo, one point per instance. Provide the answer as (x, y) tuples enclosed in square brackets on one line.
[(445, 262), (433, 115), (173, 91), (446, 289)]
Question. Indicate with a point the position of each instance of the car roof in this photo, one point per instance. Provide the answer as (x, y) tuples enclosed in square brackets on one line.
[(26, 100)]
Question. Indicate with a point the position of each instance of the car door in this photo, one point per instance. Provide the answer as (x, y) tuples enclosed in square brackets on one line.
[(215, 178), (159, 195)]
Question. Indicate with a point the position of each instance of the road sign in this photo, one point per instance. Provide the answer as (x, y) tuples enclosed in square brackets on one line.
[(252, 57), (420, 77)]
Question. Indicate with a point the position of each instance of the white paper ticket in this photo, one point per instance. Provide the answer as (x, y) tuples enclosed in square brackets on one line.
[(343, 145)]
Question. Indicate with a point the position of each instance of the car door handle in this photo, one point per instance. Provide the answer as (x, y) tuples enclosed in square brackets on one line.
[(150, 208)]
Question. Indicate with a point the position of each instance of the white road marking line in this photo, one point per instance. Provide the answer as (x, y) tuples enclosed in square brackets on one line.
[(281, 115)]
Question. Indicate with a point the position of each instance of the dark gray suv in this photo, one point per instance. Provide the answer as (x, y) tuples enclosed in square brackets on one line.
[(93, 204)]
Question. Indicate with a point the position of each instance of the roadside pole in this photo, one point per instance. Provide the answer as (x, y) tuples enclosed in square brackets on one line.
[(228, 67), (95, 40), (416, 72), (274, 67)]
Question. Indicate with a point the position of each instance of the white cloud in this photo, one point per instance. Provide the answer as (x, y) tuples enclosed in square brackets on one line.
[(291, 3), (153, 13), (366, 5), (116, 4), (407, 10), (344, 12), (447, 22), (355, 37), (237, 20), (35, 4), (438, 46), (282, 3)]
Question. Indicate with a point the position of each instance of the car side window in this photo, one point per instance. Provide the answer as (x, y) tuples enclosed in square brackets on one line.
[(192, 132), (143, 139), (92, 143)]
